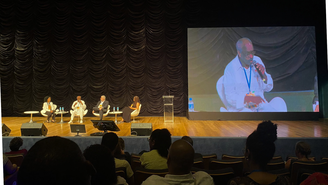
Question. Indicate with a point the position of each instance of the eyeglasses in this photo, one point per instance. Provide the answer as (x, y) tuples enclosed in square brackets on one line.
[(247, 53)]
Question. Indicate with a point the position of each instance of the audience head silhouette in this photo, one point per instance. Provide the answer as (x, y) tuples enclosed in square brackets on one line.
[(110, 140), (15, 143), (55, 161), (160, 140), (180, 158), (302, 149), (260, 146), (188, 139), (101, 158)]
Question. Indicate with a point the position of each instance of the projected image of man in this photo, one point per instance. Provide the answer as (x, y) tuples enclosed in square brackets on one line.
[(245, 81)]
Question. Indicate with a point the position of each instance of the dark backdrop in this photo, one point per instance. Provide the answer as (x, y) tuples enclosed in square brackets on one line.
[(121, 48)]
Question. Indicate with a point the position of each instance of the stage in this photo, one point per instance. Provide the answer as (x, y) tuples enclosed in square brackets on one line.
[(220, 137), (181, 126)]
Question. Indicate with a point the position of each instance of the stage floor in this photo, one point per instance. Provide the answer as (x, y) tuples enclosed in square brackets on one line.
[(181, 126)]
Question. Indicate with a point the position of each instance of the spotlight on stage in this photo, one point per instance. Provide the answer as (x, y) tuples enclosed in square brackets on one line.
[(105, 126)]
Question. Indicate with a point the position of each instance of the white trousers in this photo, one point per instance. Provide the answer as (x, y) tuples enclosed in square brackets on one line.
[(77, 112)]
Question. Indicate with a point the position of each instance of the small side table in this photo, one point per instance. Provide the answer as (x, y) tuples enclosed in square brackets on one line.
[(61, 113), (116, 112), (31, 112)]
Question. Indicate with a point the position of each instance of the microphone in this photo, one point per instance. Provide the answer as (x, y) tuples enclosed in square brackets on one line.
[(258, 71)]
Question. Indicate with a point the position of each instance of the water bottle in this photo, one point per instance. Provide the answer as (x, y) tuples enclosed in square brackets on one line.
[(63, 109), (191, 105), (114, 109), (59, 109), (118, 109)]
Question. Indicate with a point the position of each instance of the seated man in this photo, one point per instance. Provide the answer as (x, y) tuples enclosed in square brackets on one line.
[(54, 161), (245, 81), (78, 107), (101, 106), (180, 161)]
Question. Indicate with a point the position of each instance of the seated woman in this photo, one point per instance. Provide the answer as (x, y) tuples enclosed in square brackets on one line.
[(48, 109), (119, 152), (110, 140), (14, 146), (302, 152), (127, 110), (260, 149), (102, 160), (159, 144)]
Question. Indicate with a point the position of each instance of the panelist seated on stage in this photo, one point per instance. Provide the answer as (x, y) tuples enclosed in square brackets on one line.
[(78, 107), (245, 81), (128, 110), (49, 109), (101, 106)]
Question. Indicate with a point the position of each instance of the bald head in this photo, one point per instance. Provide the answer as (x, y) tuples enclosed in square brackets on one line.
[(180, 158), (245, 51), (242, 43)]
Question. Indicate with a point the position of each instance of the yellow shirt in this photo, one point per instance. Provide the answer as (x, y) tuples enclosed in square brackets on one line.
[(123, 163), (152, 160)]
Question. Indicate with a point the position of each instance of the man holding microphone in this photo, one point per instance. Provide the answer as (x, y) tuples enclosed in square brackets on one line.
[(78, 107)]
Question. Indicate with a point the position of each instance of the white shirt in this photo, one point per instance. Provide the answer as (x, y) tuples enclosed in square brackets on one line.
[(45, 107), (236, 86), (199, 178), (101, 103), (78, 104)]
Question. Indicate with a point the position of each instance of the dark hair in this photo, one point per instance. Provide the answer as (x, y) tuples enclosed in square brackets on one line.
[(110, 140), (303, 148), (261, 143), (15, 143), (188, 139), (119, 147), (101, 158), (162, 138), (52, 161), (46, 98)]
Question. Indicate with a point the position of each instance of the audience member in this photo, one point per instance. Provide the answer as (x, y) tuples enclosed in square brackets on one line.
[(316, 178), (180, 161), (302, 152), (260, 149), (14, 146), (8, 167), (55, 161), (119, 152), (101, 158), (159, 144), (189, 140), (111, 141)]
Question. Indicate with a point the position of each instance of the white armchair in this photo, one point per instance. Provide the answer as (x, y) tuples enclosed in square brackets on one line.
[(78, 115), (43, 112), (135, 113), (105, 114)]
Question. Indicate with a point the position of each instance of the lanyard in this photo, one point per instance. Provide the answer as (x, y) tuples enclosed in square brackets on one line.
[(250, 76)]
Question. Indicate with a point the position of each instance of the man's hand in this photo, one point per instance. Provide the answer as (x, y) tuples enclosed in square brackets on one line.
[(51, 111), (254, 99), (100, 108), (261, 70)]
